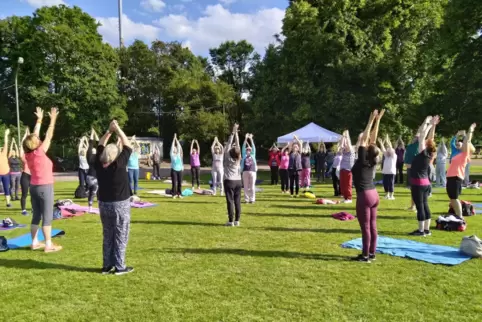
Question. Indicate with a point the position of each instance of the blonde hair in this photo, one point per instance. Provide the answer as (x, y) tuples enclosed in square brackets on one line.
[(110, 153), (31, 143)]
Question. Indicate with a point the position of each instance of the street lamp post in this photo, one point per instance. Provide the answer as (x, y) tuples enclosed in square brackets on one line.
[(20, 61)]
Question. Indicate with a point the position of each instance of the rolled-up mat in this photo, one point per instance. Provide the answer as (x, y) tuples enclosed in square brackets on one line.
[(26, 240)]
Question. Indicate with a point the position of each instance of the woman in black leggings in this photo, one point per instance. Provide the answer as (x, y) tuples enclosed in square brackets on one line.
[(419, 175), (25, 177)]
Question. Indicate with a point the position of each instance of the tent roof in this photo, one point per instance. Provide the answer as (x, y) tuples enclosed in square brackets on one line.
[(312, 133)]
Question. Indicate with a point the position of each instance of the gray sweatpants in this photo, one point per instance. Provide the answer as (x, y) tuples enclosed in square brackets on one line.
[(15, 184), (116, 219), (42, 199)]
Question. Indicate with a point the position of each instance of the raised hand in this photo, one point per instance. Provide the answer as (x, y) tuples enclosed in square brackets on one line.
[(39, 113), (380, 115), (113, 126), (436, 120), (7, 132), (472, 127), (54, 112)]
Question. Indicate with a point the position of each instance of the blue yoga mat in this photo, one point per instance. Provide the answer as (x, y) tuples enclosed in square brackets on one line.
[(477, 205), (26, 240), (434, 254)]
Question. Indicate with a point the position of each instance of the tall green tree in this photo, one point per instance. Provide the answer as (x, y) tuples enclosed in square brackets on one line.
[(66, 65)]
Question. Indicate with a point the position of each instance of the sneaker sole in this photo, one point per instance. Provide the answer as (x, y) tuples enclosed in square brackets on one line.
[(123, 273)]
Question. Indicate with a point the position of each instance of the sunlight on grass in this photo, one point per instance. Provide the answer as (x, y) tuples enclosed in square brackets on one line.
[(284, 263)]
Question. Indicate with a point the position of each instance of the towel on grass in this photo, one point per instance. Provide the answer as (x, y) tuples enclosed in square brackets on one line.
[(343, 216), (434, 254), (142, 204)]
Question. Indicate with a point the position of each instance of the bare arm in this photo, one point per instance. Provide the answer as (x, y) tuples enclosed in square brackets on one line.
[(298, 141), (40, 115), (382, 145), (173, 145), (192, 146), (388, 142), (423, 131), (374, 134), (54, 112), (431, 134), (213, 146), (122, 136), (5, 143), (468, 138), (347, 142), (105, 138), (198, 148)]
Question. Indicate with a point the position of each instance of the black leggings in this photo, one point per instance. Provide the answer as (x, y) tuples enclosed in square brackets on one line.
[(320, 174), (420, 198), (232, 190), (195, 175), (176, 177), (399, 175), (92, 186), (156, 173), (294, 181), (336, 182), (25, 185), (274, 174), (285, 179)]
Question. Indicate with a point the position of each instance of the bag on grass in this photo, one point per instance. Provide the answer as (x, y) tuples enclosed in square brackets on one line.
[(3, 244), (467, 209), (471, 246), (80, 193), (61, 203), (451, 223)]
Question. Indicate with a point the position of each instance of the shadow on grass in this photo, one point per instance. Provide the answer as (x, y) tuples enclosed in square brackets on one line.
[(33, 264), (258, 253), (328, 230), (176, 223), (287, 215)]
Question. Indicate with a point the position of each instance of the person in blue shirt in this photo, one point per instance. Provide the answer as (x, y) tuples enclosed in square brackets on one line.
[(456, 144), (177, 167), (133, 166)]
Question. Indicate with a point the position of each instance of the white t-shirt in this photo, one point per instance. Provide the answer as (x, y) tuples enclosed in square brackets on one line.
[(390, 163), (83, 164)]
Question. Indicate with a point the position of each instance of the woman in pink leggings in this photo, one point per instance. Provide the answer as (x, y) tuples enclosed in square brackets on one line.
[(367, 195)]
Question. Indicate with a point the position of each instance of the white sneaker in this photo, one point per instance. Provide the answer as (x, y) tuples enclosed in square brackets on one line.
[(175, 197), (347, 201), (229, 224), (392, 198), (236, 223)]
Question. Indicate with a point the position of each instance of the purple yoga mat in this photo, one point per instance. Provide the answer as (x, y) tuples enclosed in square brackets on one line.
[(13, 227), (80, 208), (141, 204)]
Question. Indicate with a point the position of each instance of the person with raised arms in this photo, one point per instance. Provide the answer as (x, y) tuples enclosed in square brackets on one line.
[(91, 180), (15, 165), (410, 153), (284, 163), (367, 195), (5, 169), (133, 165), (232, 178), (389, 167), (419, 175), (440, 170), (195, 152), (42, 182), (295, 167), (249, 168), (274, 163), (306, 166), (217, 170), (25, 177), (177, 167), (347, 162), (335, 172), (456, 171), (83, 164), (114, 199), (320, 162), (156, 163)]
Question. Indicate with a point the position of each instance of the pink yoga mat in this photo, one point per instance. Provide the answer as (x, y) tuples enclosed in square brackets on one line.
[(81, 208), (141, 204)]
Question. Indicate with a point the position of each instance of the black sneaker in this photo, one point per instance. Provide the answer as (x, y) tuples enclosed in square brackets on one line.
[(124, 271), (107, 270), (362, 259), (372, 257), (427, 233), (417, 233)]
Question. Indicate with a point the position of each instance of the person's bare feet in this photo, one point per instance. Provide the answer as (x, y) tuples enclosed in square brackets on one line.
[(53, 248), (37, 246)]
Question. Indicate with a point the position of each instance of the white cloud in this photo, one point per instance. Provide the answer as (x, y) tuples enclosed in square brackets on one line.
[(153, 5), (41, 3), (178, 7), (219, 24), (131, 30), (227, 2)]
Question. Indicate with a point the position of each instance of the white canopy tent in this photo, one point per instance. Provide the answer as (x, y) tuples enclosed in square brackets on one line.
[(312, 133)]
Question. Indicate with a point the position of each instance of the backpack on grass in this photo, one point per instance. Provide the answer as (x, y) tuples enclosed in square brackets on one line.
[(467, 209), (3, 244), (81, 193), (472, 246), (451, 223)]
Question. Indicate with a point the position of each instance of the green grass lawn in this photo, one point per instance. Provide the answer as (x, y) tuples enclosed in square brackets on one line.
[(284, 263)]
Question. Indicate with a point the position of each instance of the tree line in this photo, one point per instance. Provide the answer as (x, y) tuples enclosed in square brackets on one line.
[(333, 62)]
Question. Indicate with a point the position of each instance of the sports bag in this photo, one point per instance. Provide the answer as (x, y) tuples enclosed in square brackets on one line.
[(471, 246), (467, 209), (80, 193), (3, 244), (451, 223)]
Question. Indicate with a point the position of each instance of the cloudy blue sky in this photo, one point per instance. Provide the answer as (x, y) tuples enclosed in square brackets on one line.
[(199, 24)]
